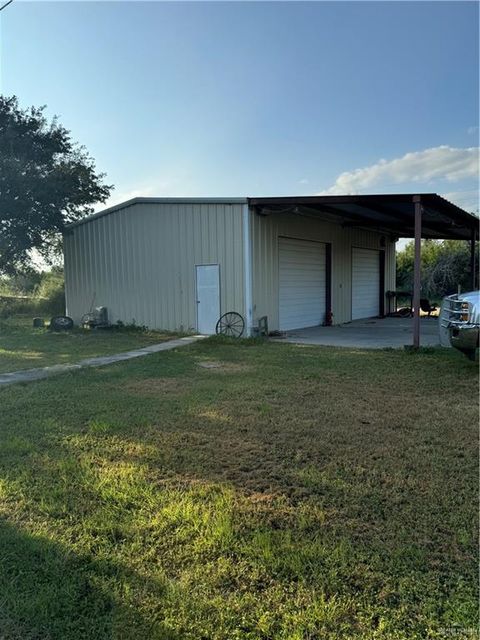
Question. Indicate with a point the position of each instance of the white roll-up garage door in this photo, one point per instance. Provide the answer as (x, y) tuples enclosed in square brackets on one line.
[(302, 283), (365, 283)]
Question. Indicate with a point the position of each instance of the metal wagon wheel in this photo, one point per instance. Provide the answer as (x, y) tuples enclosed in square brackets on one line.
[(230, 324)]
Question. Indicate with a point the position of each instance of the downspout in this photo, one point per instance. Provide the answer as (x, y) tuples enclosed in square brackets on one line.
[(247, 270)]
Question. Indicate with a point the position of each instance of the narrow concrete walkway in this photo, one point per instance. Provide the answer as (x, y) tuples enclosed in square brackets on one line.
[(27, 375)]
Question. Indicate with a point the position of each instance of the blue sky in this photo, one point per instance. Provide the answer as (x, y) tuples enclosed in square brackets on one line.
[(233, 99)]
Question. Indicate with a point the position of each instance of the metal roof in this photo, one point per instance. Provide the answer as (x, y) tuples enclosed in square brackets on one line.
[(391, 213)]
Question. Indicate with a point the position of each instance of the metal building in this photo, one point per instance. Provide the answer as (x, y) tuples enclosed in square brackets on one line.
[(179, 263)]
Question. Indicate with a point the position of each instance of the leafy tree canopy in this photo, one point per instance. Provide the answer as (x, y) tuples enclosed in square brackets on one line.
[(46, 181), (445, 265)]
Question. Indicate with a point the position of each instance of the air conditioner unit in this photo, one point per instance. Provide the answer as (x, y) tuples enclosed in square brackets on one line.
[(96, 318)]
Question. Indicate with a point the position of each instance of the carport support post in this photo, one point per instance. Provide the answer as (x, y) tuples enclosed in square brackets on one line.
[(417, 271), (473, 266)]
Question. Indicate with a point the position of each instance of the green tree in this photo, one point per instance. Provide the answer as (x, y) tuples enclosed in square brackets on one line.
[(46, 181), (445, 265)]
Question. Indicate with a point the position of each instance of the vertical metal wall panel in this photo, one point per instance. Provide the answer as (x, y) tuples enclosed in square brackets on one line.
[(390, 267), (265, 233), (140, 261)]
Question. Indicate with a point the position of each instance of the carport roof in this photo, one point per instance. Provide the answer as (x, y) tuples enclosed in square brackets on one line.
[(391, 213)]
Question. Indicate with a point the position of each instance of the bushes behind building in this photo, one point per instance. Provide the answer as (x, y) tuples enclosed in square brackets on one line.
[(33, 293)]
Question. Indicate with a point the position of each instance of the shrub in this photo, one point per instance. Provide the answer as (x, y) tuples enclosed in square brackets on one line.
[(46, 297), (50, 294), (16, 305), (445, 266)]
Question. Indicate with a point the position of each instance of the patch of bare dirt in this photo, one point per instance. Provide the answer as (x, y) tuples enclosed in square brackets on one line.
[(156, 386), (216, 366)]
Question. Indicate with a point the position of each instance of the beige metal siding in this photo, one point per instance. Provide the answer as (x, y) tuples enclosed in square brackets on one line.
[(140, 261), (265, 232), (390, 268)]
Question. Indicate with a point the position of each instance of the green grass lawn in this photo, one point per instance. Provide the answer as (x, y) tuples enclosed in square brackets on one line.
[(23, 347), (280, 492)]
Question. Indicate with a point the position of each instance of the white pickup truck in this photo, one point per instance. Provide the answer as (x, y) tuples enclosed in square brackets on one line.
[(460, 321)]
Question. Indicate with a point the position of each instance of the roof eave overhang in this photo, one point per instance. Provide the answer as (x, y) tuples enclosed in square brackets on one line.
[(390, 213)]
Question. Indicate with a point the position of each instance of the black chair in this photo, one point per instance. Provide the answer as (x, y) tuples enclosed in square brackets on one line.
[(426, 307)]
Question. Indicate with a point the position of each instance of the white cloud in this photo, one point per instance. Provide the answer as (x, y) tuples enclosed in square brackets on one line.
[(438, 163), (468, 199), (303, 181), (472, 130)]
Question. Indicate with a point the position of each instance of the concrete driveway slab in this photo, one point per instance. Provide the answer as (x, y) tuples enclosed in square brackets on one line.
[(374, 333)]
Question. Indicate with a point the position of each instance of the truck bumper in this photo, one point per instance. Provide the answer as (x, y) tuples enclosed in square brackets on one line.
[(464, 338)]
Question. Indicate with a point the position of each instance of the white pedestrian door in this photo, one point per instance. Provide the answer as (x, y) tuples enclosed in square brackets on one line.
[(208, 298), (365, 283), (302, 283)]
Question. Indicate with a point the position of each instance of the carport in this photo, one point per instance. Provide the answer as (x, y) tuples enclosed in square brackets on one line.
[(417, 216)]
